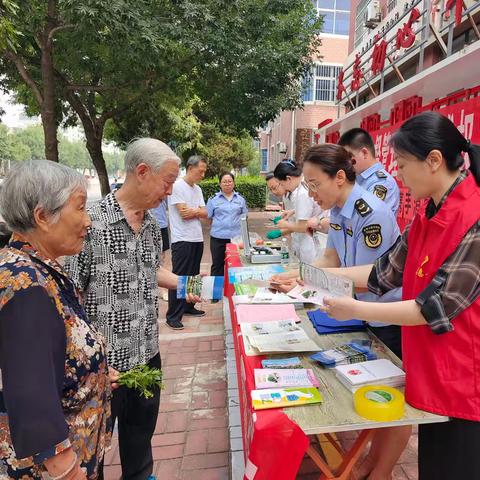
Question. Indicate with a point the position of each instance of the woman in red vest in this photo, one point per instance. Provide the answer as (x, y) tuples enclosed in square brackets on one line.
[(437, 262)]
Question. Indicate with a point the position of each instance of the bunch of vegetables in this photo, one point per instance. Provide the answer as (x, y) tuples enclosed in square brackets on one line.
[(142, 378)]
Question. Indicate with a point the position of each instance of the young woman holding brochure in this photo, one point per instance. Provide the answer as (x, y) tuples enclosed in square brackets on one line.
[(436, 260)]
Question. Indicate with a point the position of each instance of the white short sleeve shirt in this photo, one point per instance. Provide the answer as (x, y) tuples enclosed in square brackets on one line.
[(185, 230)]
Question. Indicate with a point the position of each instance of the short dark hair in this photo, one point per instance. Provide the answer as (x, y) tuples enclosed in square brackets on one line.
[(194, 160), (287, 168), (269, 176), (331, 158), (224, 174), (357, 138)]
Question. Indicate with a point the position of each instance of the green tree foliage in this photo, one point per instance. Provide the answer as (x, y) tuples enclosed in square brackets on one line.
[(28, 144), (144, 65)]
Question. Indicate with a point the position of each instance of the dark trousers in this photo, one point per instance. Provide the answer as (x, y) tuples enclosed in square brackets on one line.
[(136, 417), (186, 258), (391, 336), (217, 249), (449, 451)]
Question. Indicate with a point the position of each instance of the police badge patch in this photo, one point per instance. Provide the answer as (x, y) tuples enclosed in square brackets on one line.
[(380, 191), (335, 226), (362, 207), (372, 235), (381, 174)]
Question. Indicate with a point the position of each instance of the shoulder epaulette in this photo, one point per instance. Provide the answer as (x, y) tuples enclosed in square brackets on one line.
[(381, 174), (363, 208)]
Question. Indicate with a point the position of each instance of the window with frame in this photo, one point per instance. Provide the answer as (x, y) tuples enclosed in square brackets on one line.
[(264, 152), (336, 15), (360, 29), (321, 83)]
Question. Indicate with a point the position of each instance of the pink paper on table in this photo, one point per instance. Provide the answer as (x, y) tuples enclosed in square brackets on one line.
[(254, 313)]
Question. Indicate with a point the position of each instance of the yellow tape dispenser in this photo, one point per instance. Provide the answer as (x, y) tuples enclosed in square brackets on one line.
[(379, 403)]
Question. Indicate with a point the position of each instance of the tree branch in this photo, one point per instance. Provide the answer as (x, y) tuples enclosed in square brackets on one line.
[(53, 31), (17, 61), (92, 88)]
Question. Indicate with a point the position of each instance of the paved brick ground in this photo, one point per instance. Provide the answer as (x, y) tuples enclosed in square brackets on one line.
[(191, 438)]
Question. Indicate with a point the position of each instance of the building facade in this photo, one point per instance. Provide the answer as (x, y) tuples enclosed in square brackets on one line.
[(406, 57), (293, 131)]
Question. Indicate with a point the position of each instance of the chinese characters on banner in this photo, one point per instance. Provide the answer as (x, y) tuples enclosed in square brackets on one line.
[(405, 38), (405, 34), (465, 115)]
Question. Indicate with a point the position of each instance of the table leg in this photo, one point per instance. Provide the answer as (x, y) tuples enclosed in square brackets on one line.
[(349, 458)]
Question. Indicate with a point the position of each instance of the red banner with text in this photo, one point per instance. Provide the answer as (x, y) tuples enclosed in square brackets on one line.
[(463, 114)]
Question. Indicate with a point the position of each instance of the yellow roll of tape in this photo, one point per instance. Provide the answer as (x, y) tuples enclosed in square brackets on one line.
[(379, 403)]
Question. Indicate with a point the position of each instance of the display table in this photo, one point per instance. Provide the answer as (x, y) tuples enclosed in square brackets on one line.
[(275, 441)]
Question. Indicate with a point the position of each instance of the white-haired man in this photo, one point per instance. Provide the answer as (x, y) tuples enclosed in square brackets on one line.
[(119, 272)]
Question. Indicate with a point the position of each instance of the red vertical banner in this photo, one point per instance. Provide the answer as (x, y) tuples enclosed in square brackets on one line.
[(465, 115)]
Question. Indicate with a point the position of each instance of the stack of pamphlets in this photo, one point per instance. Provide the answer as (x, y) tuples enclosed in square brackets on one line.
[(345, 354), (375, 372), (292, 362), (266, 313), (284, 378), (276, 337), (284, 397), (319, 284), (207, 288)]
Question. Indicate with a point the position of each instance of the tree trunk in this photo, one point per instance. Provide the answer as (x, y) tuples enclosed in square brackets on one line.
[(48, 79), (94, 147)]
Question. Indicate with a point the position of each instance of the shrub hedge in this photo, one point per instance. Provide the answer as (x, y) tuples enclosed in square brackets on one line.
[(253, 189)]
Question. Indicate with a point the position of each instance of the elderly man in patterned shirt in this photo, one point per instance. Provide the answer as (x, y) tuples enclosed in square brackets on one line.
[(119, 272)]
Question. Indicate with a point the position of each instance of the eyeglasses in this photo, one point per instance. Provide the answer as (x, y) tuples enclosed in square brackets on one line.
[(312, 187)]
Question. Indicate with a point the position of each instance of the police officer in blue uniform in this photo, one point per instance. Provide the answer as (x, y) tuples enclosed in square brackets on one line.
[(224, 209), (370, 174), (362, 228)]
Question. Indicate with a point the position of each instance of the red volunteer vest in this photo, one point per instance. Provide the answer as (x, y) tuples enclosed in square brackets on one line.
[(443, 371)]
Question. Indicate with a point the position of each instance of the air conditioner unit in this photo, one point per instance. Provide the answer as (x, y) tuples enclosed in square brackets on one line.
[(373, 15), (282, 147)]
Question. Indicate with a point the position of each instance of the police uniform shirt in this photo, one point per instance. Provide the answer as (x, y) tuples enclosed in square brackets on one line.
[(362, 230), (225, 214), (378, 181)]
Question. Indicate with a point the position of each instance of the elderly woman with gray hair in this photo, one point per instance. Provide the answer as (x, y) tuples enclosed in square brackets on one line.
[(54, 406)]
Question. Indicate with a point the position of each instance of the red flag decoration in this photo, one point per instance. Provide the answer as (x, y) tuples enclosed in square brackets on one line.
[(458, 9)]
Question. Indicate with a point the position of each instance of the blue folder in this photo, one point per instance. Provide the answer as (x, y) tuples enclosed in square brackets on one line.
[(325, 325)]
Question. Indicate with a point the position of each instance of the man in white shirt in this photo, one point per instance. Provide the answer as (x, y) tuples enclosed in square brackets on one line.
[(186, 208)]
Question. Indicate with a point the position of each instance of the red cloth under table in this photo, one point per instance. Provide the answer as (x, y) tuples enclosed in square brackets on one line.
[(273, 445)]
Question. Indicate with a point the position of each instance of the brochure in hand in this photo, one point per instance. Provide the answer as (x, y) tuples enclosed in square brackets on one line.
[(284, 378), (284, 397), (319, 284), (207, 288)]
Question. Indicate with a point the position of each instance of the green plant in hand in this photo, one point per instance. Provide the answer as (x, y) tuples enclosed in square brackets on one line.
[(142, 378)]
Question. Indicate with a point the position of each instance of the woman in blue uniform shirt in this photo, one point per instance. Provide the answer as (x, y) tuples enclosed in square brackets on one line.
[(224, 209), (362, 228)]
